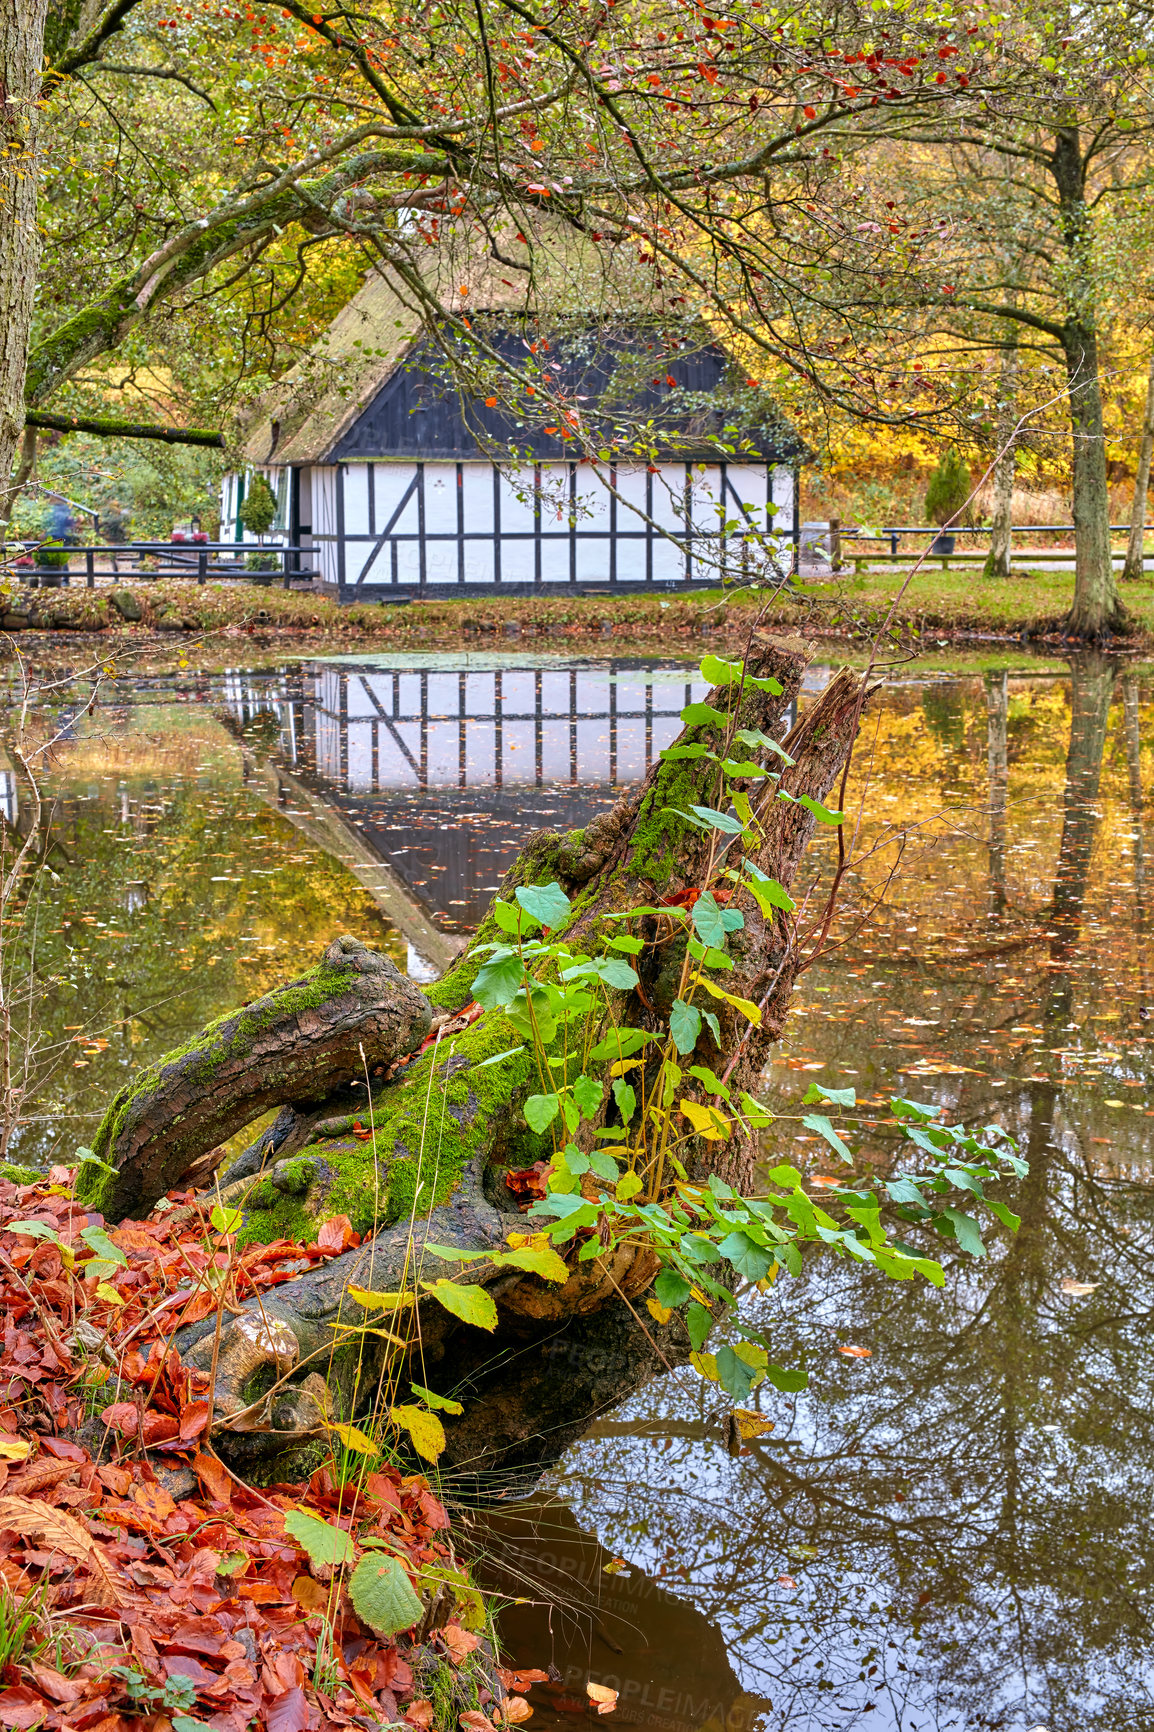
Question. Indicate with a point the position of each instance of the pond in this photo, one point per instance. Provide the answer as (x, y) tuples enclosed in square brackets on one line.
[(949, 1529)]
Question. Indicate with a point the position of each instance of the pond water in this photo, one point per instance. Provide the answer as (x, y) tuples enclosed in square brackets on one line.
[(949, 1531)]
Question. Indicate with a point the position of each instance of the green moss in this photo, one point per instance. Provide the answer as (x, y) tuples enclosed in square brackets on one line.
[(18, 1175), (659, 836), (317, 987), (425, 1137)]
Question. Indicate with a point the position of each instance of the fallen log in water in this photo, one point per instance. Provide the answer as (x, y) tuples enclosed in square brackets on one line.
[(437, 1165)]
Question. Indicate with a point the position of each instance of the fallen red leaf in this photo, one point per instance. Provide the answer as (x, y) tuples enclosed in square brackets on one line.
[(288, 1712), (337, 1235)]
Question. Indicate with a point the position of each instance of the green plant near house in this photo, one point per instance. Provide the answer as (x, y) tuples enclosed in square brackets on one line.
[(52, 556), (258, 510), (947, 489)]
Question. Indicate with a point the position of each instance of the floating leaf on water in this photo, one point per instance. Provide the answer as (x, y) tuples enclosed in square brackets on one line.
[(751, 1424), (1080, 1287), (857, 1352), (602, 1697), (614, 1567)]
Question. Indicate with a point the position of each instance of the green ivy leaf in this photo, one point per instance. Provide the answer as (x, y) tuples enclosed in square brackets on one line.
[(698, 1321), (704, 715), (541, 1110), (626, 1099), (471, 1304), (587, 1094), (819, 1123), (966, 1231), (747, 1258), (684, 1025), (324, 1543), (734, 1375), (547, 903), (431, 1400), (789, 1382), (836, 1097), (617, 974), (622, 1043), (671, 1289), (602, 1163), (98, 1241), (499, 979), (226, 1220), (707, 921)]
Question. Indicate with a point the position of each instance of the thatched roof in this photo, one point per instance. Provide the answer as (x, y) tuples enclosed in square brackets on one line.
[(305, 416)]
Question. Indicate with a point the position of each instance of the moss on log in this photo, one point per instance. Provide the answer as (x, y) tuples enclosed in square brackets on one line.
[(296, 1044)]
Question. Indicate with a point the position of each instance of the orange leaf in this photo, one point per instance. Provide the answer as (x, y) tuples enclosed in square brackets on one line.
[(856, 1352), (460, 1643), (602, 1697), (336, 1235)]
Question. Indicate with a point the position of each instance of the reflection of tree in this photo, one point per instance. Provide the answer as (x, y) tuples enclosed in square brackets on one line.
[(997, 687), (975, 1495), (1132, 729), (1091, 688)]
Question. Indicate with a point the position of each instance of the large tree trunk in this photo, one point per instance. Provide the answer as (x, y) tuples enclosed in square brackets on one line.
[(21, 59), (1132, 565), (447, 1129), (1097, 610)]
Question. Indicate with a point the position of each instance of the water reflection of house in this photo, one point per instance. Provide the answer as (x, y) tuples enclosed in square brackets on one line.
[(441, 774), (396, 478)]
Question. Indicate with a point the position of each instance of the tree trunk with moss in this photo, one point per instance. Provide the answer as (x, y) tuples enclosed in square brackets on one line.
[(21, 57), (448, 1129)]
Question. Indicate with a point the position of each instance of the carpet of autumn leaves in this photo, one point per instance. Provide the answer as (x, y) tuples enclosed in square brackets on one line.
[(166, 1593)]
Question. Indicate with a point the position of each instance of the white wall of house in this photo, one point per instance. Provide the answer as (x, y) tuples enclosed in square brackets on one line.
[(444, 522)]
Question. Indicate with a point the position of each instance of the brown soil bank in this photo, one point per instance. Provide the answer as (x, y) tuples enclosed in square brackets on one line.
[(939, 605)]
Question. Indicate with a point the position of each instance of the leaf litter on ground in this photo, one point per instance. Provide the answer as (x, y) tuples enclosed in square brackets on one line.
[(175, 1595)]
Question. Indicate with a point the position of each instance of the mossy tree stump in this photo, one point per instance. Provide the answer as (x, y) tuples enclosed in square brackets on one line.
[(447, 1128)]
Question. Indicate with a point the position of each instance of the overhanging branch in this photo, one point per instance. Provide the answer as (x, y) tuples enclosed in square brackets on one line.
[(114, 429)]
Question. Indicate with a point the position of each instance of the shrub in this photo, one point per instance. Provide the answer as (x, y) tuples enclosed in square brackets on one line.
[(948, 489), (51, 556), (258, 508)]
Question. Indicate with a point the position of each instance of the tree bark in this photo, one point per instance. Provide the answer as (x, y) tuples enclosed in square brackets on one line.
[(1132, 565), (449, 1129), (1097, 611), (21, 55), (355, 1011)]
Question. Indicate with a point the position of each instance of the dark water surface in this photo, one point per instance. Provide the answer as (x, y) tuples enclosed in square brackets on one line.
[(950, 1532)]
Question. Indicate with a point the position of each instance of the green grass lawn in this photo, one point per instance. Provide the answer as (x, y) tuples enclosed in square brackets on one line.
[(961, 598)]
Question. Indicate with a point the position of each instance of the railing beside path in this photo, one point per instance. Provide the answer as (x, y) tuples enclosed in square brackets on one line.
[(199, 560)]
